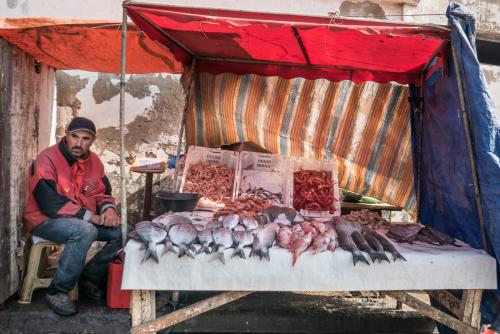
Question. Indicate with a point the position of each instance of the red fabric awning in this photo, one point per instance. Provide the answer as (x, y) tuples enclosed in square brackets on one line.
[(87, 45), (292, 46)]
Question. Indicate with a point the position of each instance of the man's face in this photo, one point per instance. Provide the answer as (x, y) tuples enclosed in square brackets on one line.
[(79, 142)]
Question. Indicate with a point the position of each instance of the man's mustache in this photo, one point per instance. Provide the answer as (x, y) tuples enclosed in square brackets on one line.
[(77, 147)]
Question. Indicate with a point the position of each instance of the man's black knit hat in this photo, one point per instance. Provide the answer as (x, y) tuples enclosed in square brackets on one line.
[(82, 123)]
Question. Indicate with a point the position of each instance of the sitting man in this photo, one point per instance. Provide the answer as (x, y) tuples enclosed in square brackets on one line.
[(70, 203)]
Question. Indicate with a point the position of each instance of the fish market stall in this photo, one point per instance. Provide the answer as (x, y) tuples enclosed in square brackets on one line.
[(274, 222)]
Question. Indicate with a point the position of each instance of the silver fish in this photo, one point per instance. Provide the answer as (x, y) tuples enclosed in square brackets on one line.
[(230, 221), (151, 235), (183, 235), (250, 223), (239, 227), (170, 220), (205, 238), (242, 239), (265, 237), (282, 219), (223, 239), (273, 212), (213, 224)]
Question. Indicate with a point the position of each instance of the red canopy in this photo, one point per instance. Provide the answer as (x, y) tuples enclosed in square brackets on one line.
[(87, 45), (292, 46)]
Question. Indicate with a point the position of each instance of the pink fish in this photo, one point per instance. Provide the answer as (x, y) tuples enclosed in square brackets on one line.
[(319, 226), (320, 244), (300, 245), (285, 238), (334, 239)]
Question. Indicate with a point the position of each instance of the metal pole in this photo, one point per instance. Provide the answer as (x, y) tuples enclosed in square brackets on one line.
[(470, 146), (190, 87), (123, 177)]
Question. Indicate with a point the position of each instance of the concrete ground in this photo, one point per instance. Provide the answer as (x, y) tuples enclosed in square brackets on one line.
[(257, 313)]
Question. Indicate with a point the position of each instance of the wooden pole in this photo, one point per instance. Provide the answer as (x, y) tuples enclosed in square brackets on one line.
[(123, 176), (470, 146), (142, 307), (190, 87), (188, 312)]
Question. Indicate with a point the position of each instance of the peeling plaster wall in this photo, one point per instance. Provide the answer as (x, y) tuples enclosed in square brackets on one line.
[(152, 117), (492, 75)]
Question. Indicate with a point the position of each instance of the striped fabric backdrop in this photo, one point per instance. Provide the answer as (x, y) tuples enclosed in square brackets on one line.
[(364, 127)]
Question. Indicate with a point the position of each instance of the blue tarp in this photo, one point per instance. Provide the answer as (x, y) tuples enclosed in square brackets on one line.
[(448, 200)]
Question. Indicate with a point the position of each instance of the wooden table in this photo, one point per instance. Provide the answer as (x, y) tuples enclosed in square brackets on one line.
[(466, 315)]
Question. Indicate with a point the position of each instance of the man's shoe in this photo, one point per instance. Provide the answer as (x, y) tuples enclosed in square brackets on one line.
[(61, 304), (91, 291)]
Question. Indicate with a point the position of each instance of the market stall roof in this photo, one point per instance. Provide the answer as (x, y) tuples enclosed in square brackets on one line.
[(291, 46), (87, 45)]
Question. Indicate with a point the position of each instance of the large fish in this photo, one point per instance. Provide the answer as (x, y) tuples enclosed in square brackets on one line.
[(230, 221), (320, 244), (344, 231), (183, 236), (265, 236), (205, 238), (151, 235), (250, 223), (171, 220), (242, 239), (223, 239), (300, 245), (334, 238), (372, 240), (404, 232), (274, 212), (389, 247), (285, 237)]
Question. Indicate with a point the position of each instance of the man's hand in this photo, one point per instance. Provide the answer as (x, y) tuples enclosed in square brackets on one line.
[(110, 218), (95, 219)]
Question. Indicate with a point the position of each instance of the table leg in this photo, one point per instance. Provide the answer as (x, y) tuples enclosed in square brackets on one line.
[(470, 308), (148, 189), (142, 308)]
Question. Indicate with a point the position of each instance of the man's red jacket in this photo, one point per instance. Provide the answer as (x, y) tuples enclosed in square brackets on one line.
[(62, 186)]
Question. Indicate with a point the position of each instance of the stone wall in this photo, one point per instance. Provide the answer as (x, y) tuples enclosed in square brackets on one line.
[(152, 116)]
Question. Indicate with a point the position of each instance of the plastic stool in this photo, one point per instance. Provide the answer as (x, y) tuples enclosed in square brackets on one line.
[(37, 264)]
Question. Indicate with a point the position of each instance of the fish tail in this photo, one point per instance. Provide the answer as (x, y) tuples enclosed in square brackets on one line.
[(264, 253), (239, 252), (373, 255), (168, 248), (255, 252), (220, 256), (189, 253), (381, 256), (192, 248), (204, 248), (357, 256), (182, 251), (397, 255), (295, 257)]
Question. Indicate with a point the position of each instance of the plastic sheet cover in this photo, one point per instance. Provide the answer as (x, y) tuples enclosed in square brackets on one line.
[(448, 200)]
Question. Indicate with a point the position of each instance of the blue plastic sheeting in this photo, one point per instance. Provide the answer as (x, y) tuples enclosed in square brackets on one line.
[(448, 200)]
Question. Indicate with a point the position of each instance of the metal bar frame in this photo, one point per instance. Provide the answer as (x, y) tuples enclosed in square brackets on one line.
[(123, 176), (189, 93)]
